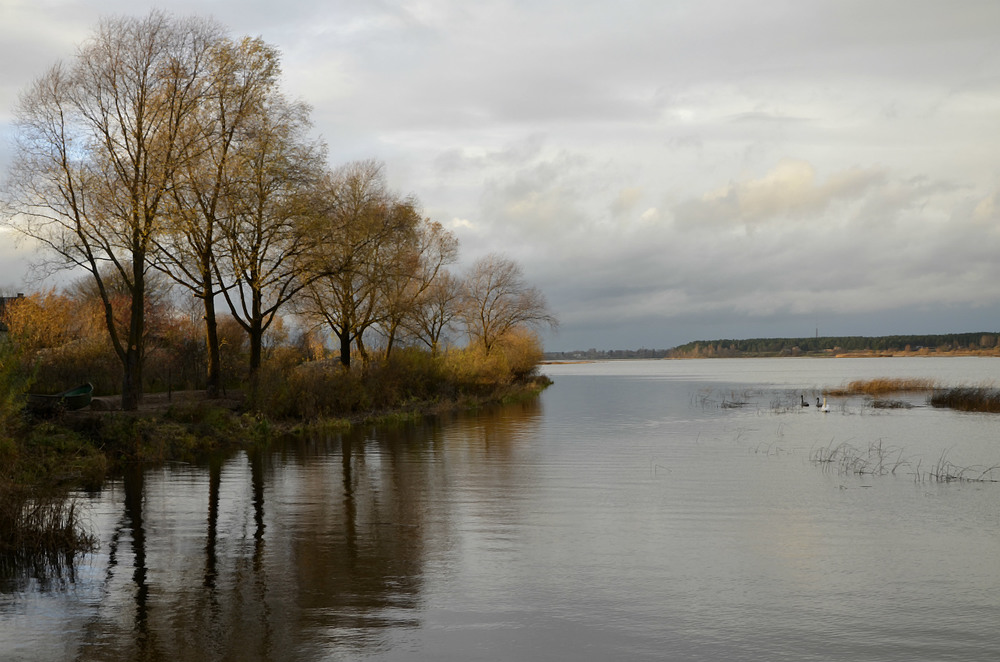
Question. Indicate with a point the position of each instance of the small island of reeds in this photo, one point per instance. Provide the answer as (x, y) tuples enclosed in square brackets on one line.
[(970, 398)]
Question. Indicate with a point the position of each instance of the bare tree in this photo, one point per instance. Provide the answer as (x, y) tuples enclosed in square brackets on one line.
[(413, 266), (363, 226), (269, 226), (244, 75), (435, 310), (497, 300), (99, 143)]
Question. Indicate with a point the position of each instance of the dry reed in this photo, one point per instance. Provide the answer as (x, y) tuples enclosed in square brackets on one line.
[(883, 386), (968, 398), (39, 534)]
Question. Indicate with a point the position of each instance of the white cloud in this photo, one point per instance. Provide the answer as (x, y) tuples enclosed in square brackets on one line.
[(461, 224), (790, 191)]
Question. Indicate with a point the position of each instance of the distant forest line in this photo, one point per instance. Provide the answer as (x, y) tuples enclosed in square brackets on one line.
[(979, 342)]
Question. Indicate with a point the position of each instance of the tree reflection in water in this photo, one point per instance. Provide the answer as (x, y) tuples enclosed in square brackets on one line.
[(312, 549)]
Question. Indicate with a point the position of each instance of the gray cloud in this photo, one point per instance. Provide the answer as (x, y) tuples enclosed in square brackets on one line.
[(684, 169)]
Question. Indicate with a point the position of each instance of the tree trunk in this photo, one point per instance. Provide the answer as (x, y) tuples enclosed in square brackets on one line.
[(391, 337), (132, 377), (344, 334), (256, 334), (359, 341), (256, 345), (214, 385)]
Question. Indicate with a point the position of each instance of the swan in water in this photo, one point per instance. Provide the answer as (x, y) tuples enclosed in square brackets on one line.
[(825, 408), (802, 398)]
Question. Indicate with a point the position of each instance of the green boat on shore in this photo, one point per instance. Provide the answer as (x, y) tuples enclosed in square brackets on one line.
[(70, 400)]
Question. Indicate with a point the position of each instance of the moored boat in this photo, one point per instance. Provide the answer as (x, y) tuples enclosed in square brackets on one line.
[(69, 400)]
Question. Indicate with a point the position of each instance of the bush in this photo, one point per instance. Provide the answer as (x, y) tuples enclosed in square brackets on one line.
[(473, 371), (523, 351), (514, 358), (309, 390), (409, 376), (86, 360), (14, 381)]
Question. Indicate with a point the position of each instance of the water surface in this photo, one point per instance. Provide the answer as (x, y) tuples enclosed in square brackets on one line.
[(640, 510)]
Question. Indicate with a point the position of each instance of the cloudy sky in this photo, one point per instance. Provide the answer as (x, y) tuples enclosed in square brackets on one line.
[(663, 170)]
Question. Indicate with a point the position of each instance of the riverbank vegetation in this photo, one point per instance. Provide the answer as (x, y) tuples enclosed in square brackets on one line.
[(335, 294), (300, 379), (235, 205), (300, 387), (949, 344), (164, 163)]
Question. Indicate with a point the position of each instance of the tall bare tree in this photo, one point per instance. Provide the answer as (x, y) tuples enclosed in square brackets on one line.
[(244, 75), (497, 301), (269, 230), (99, 143)]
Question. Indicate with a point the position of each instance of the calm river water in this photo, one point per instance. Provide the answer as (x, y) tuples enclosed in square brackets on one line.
[(643, 510)]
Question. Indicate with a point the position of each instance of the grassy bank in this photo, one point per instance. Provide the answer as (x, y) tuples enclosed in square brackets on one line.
[(81, 449)]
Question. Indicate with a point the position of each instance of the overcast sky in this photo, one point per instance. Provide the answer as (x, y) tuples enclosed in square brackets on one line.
[(664, 171)]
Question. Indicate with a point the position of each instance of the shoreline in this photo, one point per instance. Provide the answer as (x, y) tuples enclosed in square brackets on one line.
[(873, 354), (81, 449)]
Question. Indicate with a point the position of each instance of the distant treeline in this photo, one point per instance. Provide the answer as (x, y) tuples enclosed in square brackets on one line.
[(836, 345), (599, 354), (824, 345)]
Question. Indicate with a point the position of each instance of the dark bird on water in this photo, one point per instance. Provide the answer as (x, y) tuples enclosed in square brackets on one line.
[(803, 399)]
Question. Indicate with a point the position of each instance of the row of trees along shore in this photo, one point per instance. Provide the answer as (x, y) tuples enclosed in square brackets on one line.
[(164, 156), (948, 342)]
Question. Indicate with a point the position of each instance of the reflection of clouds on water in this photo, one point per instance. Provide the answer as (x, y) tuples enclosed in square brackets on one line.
[(315, 549), (615, 517)]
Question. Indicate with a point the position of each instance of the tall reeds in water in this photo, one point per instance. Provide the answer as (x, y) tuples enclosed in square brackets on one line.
[(968, 398), (883, 386), (876, 460), (880, 460), (962, 398), (40, 535)]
